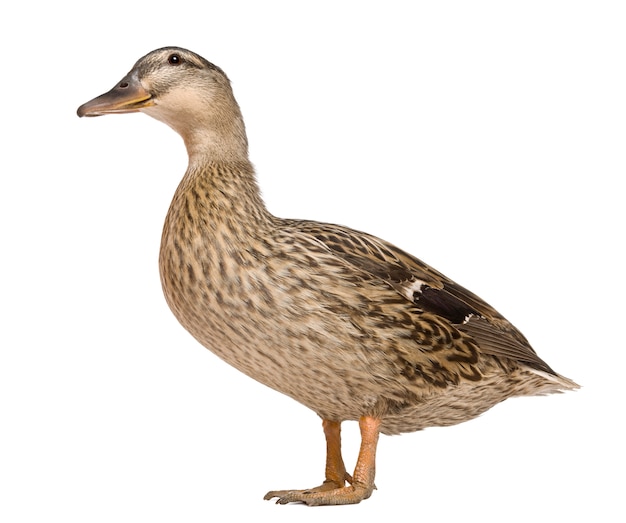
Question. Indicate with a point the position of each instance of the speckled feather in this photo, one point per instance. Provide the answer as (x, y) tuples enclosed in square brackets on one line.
[(323, 313)]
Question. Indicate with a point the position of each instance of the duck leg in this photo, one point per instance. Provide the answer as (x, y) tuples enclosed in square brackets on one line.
[(336, 475), (333, 491)]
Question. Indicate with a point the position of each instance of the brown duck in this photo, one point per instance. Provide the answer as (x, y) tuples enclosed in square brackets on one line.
[(343, 322)]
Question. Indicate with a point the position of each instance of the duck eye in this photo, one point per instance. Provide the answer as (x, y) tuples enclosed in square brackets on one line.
[(174, 59)]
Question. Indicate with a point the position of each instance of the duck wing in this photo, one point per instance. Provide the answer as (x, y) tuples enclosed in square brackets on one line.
[(427, 291)]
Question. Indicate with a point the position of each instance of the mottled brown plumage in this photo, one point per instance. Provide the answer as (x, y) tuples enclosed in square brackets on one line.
[(343, 322)]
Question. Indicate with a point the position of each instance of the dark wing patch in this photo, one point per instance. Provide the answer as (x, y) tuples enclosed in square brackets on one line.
[(442, 303)]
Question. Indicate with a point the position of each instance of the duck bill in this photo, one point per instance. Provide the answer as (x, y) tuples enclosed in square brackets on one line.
[(128, 96)]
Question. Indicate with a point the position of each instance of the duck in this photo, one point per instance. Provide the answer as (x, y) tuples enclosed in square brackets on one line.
[(345, 323)]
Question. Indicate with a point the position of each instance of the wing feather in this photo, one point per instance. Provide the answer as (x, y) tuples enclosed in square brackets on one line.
[(428, 290)]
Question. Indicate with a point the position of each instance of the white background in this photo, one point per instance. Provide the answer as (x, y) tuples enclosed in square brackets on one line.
[(487, 138)]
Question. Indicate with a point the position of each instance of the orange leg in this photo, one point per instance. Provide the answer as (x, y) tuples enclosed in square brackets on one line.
[(336, 475), (333, 491)]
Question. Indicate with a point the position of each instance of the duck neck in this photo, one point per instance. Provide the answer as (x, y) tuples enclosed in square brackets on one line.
[(216, 142), (221, 195)]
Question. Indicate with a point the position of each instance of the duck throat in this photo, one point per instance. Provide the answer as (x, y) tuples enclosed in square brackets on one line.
[(223, 141)]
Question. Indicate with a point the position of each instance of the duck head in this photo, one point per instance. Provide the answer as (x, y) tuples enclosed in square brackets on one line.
[(185, 91)]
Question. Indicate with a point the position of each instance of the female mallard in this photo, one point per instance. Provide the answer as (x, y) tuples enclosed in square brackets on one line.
[(343, 322)]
